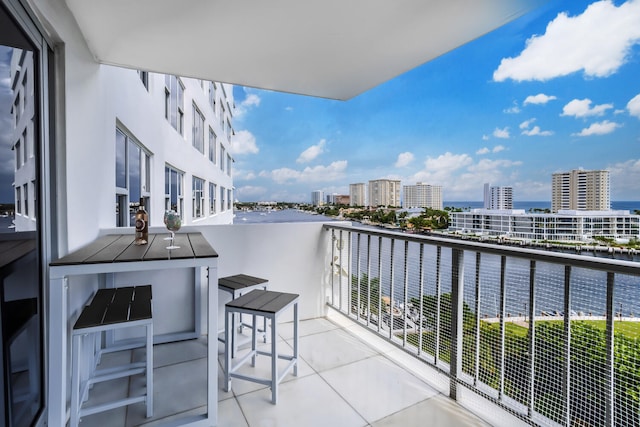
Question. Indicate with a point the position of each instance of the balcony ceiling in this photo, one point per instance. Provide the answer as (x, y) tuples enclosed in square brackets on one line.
[(326, 48)]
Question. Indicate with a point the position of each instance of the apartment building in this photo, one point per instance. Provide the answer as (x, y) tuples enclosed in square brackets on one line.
[(498, 197), (422, 196), (384, 192), (317, 198), (358, 194), (580, 190), (565, 225)]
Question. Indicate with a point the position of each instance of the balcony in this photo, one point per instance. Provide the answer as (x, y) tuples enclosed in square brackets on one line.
[(397, 328)]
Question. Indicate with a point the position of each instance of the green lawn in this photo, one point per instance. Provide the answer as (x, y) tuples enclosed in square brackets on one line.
[(628, 329)]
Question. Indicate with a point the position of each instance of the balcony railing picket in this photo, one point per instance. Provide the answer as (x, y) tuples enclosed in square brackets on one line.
[(544, 364)]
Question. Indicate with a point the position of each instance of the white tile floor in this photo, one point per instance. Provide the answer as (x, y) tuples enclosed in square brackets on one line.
[(342, 381)]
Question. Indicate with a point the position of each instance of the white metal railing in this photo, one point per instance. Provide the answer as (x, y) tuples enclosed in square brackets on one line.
[(552, 338)]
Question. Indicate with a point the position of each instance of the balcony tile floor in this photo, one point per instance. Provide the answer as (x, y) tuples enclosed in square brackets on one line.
[(342, 380)]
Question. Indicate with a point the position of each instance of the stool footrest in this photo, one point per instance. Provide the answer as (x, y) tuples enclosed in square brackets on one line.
[(90, 410), (109, 374)]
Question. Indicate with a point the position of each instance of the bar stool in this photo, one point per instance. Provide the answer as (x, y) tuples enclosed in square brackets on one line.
[(238, 285), (268, 304), (111, 309)]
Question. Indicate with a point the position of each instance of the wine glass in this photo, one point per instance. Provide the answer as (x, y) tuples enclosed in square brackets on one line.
[(173, 222)]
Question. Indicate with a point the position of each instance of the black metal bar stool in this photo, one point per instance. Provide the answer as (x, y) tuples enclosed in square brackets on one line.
[(270, 305), (238, 285), (111, 309)]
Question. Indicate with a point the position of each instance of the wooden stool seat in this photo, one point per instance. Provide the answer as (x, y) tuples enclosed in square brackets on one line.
[(268, 304), (238, 285), (111, 309)]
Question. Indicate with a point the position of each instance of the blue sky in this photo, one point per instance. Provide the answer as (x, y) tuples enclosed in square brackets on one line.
[(555, 90)]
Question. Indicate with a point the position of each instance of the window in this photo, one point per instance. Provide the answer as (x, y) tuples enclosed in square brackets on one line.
[(223, 192), (133, 177), (222, 157), (229, 164), (212, 95), (174, 102), (144, 78), (212, 198), (222, 116), (173, 190), (18, 200), (198, 129), (18, 150), (197, 193), (212, 145), (26, 199), (229, 199)]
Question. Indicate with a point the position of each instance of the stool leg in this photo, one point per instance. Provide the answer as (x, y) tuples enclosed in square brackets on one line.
[(227, 352), (274, 361), (149, 373), (75, 381), (254, 341), (264, 325), (295, 338)]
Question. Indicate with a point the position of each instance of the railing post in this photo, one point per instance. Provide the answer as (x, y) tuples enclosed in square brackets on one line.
[(532, 337), (438, 303), (566, 374), (358, 278), (421, 296), (368, 307), (333, 265), (610, 396), (503, 326), (380, 315), (457, 321), (406, 291), (393, 241), (476, 374)]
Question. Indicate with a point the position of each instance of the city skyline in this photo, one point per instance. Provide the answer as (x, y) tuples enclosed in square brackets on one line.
[(553, 91)]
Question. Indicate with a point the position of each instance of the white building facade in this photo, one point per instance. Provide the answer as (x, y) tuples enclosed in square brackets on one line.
[(357, 194), (580, 190), (422, 196), (498, 197), (384, 192), (317, 198), (574, 225)]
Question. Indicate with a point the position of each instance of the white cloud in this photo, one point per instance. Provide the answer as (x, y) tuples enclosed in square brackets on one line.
[(404, 159), (244, 143), (485, 137), (536, 131), (526, 123), (540, 98), (312, 152), (483, 150), (461, 177), (634, 106), (252, 100), (601, 128), (515, 109), (597, 42), (249, 191), (624, 179), (582, 108), (333, 172), (498, 148), (489, 165), (501, 133)]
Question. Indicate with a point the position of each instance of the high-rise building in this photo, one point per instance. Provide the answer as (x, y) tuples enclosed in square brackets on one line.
[(384, 192), (498, 198), (422, 196), (317, 198), (358, 194), (580, 190)]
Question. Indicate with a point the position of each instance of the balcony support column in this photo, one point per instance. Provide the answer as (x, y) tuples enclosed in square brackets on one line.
[(457, 314)]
